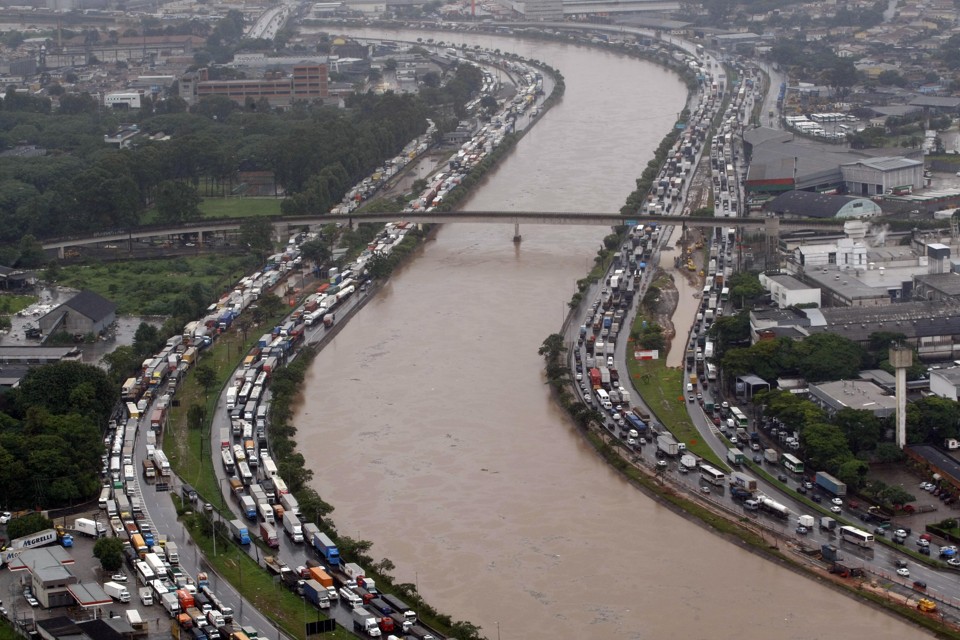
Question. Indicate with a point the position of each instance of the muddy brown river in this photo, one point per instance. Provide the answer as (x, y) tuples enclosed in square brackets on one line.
[(428, 425)]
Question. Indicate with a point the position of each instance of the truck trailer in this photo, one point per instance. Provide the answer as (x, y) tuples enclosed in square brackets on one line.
[(828, 483)]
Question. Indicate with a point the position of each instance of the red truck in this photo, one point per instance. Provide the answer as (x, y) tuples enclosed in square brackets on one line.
[(595, 378)]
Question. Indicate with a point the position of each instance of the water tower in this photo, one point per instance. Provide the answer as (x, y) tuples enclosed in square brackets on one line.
[(901, 359)]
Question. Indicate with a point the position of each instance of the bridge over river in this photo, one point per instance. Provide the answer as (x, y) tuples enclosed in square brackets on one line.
[(771, 225)]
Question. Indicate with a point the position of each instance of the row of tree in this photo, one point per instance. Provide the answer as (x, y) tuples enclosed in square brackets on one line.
[(51, 435)]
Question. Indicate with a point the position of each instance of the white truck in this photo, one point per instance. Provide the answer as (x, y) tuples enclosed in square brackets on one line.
[(146, 596), (173, 555), (365, 621), (117, 591), (291, 524), (89, 527)]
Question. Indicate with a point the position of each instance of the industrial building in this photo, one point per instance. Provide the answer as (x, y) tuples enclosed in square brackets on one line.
[(810, 204), (862, 395), (945, 383), (878, 176), (307, 83), (122, 100), (787, 291), (84, 314)]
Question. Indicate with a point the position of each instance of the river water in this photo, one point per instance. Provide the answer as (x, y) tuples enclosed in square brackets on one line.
[(429, 427)]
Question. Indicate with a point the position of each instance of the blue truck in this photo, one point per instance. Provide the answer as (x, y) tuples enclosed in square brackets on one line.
[(829, 483), (325, 547), (240, 532)]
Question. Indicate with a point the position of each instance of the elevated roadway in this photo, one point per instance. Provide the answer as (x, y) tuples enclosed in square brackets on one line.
[(770, 225)]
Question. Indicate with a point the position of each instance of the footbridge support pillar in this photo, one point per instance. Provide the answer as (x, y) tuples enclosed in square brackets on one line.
[(516, 232)]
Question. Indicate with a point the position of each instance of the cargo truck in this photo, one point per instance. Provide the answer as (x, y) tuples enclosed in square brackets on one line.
[(828, 523), (326, 548), (400, 607), (743, 481), (249, 507), (146, 596), (292, 526), (735, 457), (667, 444), (173, 555), (365, 622), (170, 603), (269, 535), (89, 527), (771, 456), (773, 507), (239, 531), (688, 461), (828, 483), (117, 591), (33, 541), (316, 593)]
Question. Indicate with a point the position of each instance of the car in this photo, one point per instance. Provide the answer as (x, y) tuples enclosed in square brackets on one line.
[(954, 561), (836, 509), (733, 440), (704, 489), (903, 572), (948, 550), (923, 543), (699, 396), (609, 361), (119, 577), (758, 459), (880, 531), (801, 489), (691, 398), (837, 501), (33, 602), (588, 399), (631, 442), (579, 377), (816, 498), (802, 530), (808, 485), (754, 446), (901, 533), (924, 551), (5, 517), (782, 478)]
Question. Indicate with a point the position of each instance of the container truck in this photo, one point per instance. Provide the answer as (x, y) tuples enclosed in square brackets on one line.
[(805, 521), (735, 457), (117, 591), (173, 555), (828, 483), (33, 541), (667, 444), (365, 622), (289, 503), (169, 602), (316, 593), (400, 607), (249, 507), (742, 480), (326, 548), (239, 531), (89, 527), (771, 456), (828, 523), (269, 535), (266, 512), (688, 461), (291, 525)]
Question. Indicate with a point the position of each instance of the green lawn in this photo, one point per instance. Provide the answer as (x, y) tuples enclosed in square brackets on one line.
[(151, 287), (227, 208), (11, 303), (662, 390)]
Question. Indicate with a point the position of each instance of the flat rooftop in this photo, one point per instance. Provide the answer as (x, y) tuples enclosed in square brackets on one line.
[(855, 394)]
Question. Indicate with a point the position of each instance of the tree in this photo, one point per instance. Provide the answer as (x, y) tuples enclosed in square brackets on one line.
[(827, 356), (206, 378), (745, 289), (256, 233), (50, 387), (177, 202), (825, 445), (196, 415), (109, 551), (146, 340), (25, 525), (728, 331), (315, 250), (380, 265), (31, 253), (122, 362)]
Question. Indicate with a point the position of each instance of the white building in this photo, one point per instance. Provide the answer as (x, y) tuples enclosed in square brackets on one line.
[(878, 176), (787, 291), (945, 382), (122, 100)]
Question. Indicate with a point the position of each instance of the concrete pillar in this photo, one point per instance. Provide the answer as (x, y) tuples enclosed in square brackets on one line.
[(200, 238), (61, 253), (901, 358), (516, 232)]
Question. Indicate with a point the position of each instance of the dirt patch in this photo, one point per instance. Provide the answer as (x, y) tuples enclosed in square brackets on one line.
[(661, 311)]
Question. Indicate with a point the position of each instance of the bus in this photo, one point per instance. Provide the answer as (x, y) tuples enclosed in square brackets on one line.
[(243, 470), (712, 475), (603, 398), (856, 536), (739, 417), (725, 294), (791, 463), (711, 371)]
